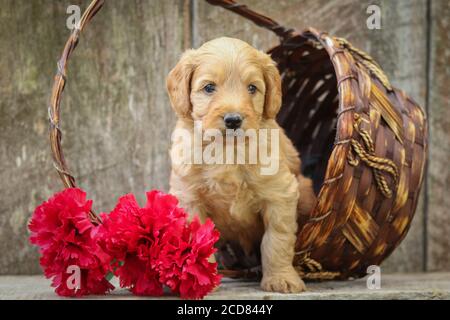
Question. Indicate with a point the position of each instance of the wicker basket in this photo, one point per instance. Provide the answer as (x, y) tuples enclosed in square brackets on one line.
[(363, 142)]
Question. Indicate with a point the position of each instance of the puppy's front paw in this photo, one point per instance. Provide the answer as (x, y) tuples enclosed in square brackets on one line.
[(283, 282)]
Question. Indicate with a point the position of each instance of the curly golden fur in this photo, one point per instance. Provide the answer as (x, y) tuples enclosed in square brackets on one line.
[(254, 209)]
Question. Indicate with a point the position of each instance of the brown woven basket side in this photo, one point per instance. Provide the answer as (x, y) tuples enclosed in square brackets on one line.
[(338, 105)]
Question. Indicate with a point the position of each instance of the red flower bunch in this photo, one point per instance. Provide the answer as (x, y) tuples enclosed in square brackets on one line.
[(68, 242), (154, 246), (146, 247)]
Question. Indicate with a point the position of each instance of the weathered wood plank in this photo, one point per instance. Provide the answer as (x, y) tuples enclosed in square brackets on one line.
[(393, 286), (399, 46), (116, 118), (439, 119)]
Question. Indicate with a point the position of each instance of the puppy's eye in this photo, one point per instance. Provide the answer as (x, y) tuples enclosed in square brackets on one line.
[(209, 88), (252, 89)]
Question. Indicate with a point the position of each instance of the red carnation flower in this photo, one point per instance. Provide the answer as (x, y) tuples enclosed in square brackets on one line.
[(147, 248), (185, 267), (66, 237), (154, 246), (134, 237)]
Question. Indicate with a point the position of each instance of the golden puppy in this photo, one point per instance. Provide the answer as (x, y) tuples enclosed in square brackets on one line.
[(227, 84)]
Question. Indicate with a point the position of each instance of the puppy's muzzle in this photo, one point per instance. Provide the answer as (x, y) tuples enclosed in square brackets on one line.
[(232, 120)]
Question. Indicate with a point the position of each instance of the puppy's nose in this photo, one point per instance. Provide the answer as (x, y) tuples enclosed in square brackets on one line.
[(232, 120)]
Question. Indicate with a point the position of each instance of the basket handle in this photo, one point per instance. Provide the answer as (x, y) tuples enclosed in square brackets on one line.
[(59, 83), (257, 18)]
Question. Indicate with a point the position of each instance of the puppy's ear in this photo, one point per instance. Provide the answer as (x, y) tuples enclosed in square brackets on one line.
[(178, 85), (272, 103)]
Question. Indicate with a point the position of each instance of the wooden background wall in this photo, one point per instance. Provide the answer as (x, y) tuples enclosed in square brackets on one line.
[(116, 116)]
